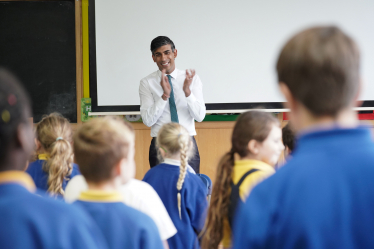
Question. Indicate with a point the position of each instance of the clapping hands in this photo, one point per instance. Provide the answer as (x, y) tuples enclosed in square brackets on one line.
[(190, 73), (165, 85)]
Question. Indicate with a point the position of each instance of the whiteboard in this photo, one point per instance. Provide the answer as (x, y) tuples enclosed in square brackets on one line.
[(233, 45)]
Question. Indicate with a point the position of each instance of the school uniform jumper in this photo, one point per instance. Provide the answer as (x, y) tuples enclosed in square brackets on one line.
[(322, 198), (40, 177), (28, 221), (163, 178), (260, 171), (122, 226)]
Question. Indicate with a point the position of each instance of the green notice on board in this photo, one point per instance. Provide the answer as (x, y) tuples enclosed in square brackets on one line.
[(85, 109)]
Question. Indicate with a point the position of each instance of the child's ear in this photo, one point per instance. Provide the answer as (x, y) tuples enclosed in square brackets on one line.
[(125, 169), (253, 147), (117, 169), (291, 103), (162, 152), (25, 137), (38, 145)]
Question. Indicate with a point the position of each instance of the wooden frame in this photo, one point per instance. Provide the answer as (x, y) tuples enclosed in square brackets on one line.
[(79, 56), (78, 50)]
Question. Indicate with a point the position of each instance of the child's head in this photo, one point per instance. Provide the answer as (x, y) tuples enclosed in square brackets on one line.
[(16, 134), (104, 150), (318, 71), (256, 135), (53, 137), (288, 138), (173, 140)]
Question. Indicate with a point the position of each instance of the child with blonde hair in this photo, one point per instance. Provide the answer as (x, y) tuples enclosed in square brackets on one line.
[(54, 167), (104, 150), (181, 191), (257, 141)]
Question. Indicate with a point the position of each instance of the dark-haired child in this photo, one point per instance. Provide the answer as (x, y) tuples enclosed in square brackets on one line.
[(28, 221), (257, 140), (181, 191), (54, 167), (323, 196), (288, 138), (104, 150)]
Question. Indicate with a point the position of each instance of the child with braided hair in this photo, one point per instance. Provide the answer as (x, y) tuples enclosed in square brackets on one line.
[(54, 167), (182, 192)]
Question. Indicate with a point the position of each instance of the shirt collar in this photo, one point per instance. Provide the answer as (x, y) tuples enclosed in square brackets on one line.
[(43, 156), (174, 74), (101, 196), (178, 163), (18, 177), (254, 164)]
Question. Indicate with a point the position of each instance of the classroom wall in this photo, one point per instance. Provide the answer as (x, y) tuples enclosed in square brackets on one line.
[(213, 138)]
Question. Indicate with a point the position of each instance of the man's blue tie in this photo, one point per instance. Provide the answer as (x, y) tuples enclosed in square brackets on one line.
[(173, 107)]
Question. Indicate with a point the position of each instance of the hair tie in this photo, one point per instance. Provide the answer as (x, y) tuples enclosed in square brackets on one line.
[(59, 138), (179, 134), (163, 149)]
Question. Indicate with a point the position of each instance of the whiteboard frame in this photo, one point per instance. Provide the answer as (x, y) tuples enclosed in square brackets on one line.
[(135, 109)]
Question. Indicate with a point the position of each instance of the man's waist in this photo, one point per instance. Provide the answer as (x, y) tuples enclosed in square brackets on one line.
[(189, 127)]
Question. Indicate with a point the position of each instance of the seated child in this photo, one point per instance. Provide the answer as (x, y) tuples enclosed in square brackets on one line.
[(182, 192), (54, 167), (257, 139), (104, 151), (28, 221)]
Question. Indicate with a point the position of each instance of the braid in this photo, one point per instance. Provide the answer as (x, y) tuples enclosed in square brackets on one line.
[(182, 170), (174, 139)]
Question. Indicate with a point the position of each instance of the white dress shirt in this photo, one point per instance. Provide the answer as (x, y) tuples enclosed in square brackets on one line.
[(155, 111)]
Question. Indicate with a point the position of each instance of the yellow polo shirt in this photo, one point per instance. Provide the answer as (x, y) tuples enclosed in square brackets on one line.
[(240, 168)]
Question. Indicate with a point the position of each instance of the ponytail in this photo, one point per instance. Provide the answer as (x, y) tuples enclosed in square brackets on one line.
[(54, 134), (59, 165), (219, 203), (250, 125)]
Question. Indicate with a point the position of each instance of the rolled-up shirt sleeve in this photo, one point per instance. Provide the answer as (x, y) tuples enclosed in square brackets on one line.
[(195, 101), (150, 110)]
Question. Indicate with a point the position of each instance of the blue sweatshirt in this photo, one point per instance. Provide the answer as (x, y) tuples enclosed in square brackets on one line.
[(40, 177), (28, 221), (163, 178), (122, 226), (322, 198)]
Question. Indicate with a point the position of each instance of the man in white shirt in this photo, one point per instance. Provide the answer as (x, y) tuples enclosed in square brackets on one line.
[(170, 95)]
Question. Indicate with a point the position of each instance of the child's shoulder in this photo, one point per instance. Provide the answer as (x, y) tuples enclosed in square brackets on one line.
[(162, 168), (35, 166)]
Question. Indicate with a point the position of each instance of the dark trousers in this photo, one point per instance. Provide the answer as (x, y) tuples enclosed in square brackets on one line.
[(194, 162)]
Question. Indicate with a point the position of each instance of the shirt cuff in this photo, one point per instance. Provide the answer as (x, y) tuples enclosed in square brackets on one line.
[(191, 98)]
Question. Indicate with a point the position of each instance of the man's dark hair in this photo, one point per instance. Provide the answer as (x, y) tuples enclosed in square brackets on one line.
[(320, 66), (288, 137), (160, 41), (14, 110)]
